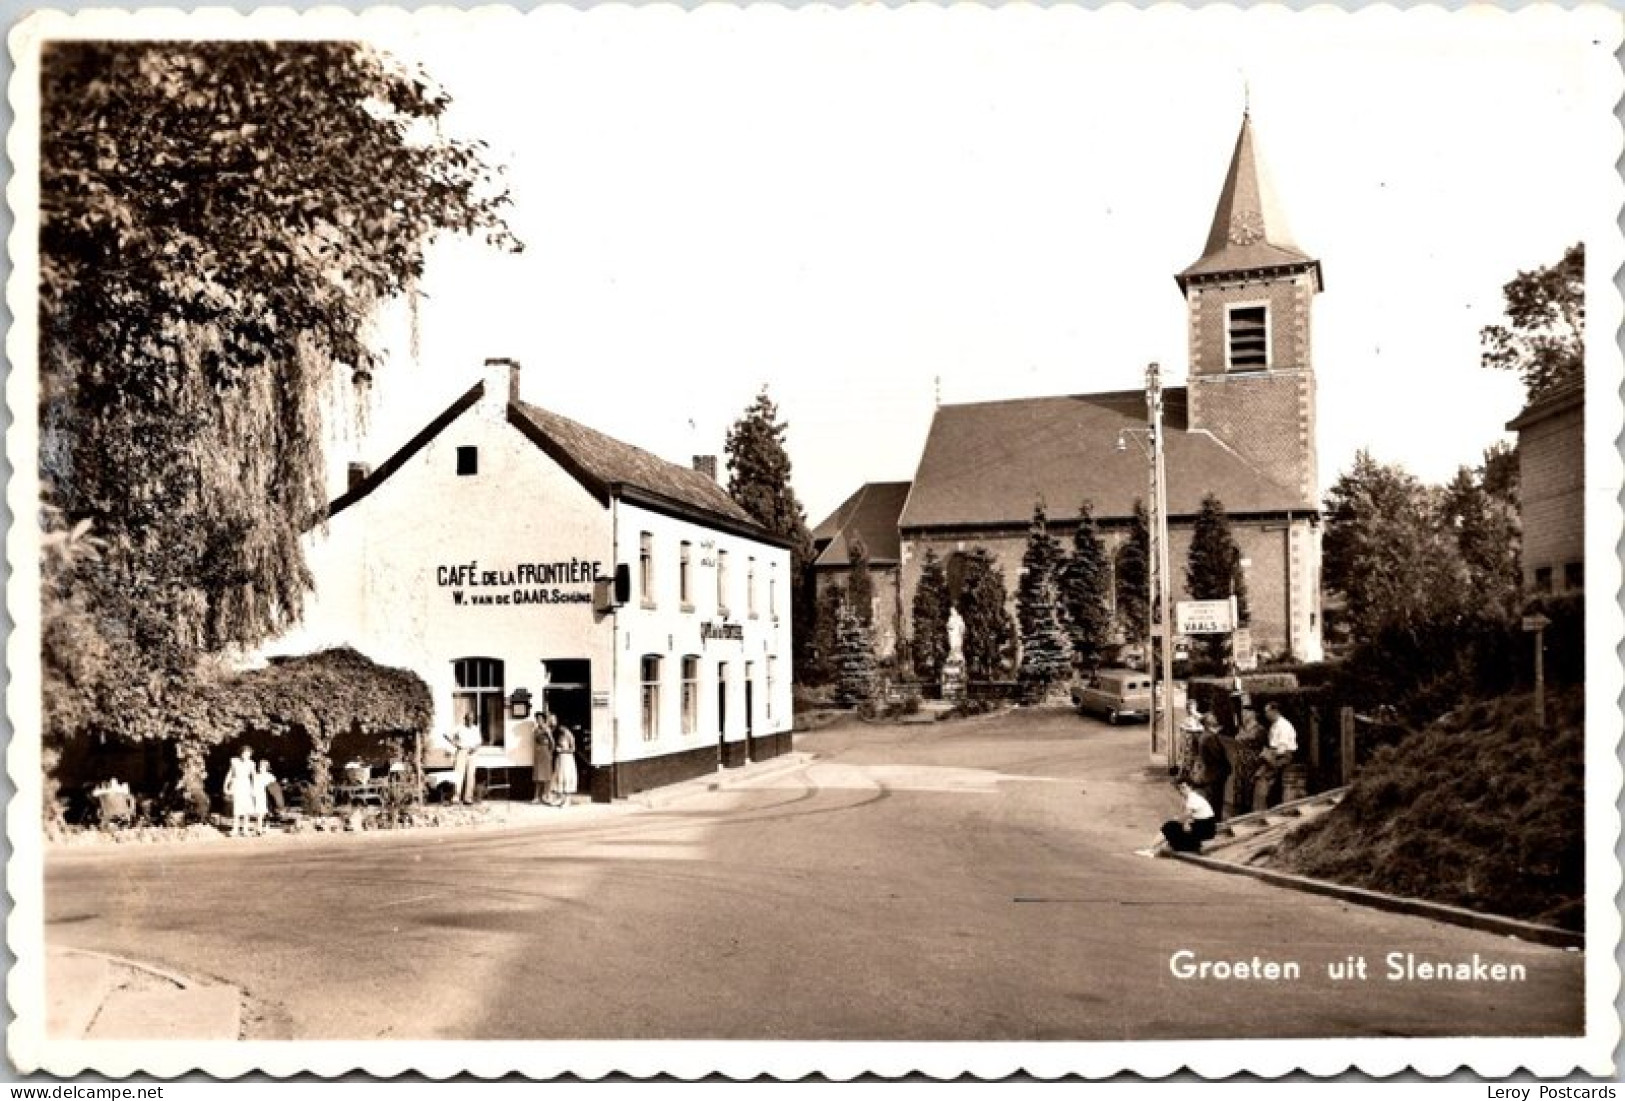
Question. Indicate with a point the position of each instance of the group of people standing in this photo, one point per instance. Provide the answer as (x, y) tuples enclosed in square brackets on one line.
[(251, 788), (554, 769), (1225, 773)]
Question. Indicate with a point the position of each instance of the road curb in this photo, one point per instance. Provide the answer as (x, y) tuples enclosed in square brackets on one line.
[(1415, 907), (655, 798)]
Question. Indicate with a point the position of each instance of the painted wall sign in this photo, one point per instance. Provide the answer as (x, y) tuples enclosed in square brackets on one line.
[(525, 583), (728, 632), (600, 699)]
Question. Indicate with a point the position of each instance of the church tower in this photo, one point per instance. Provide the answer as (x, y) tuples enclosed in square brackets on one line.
[(1252, 382)]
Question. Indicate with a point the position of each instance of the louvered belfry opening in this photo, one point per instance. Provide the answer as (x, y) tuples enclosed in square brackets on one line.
[(1249, 338)]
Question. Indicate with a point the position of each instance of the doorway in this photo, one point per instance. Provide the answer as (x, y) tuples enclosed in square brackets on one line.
[(568, 695), (722, 711)]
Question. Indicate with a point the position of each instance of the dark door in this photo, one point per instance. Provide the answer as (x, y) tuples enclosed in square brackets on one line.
[(569, 696), (722, 708)]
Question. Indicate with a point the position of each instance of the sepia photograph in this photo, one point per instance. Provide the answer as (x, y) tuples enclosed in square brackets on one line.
[(781, 541)]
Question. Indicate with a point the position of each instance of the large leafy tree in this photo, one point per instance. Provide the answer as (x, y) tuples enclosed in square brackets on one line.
[(1213, 571), (1086, 580), (990, 633), (1543, 339), (930, 618), (1486, 526), (1389, 552), (1045, 650), (759, 480), (218, 220)]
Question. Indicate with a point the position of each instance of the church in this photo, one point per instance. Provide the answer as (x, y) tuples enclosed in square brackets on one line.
[(1242, 429)]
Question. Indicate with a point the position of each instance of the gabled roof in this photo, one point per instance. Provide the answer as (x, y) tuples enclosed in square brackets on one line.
[(1249, 230), (604, 466), (1562, 399), (871, 515), (986, 464)]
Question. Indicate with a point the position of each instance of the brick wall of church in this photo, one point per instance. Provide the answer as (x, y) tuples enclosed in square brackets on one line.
[(1266, 416), (1266, 549)]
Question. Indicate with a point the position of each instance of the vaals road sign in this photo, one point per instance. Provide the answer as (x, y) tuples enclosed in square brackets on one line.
[(1205, 617), (1536, 622)]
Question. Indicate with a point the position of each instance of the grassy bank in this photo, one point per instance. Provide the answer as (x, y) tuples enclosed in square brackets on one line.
[(1481, 810)]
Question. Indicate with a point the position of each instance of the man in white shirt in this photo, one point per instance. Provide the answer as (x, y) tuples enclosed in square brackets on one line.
[(1283, 743), (463, 773), (1197, 825)]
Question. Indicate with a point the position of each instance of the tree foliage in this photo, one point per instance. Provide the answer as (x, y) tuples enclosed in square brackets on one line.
[(1543, 340), (1046, 653), (759, 481), (990, 633), (1213, 572), (930, 618), (1086, 580), (1488, 537), (860, 584), (217, 221), (855, 677), (1134, 577), (1388, 551)]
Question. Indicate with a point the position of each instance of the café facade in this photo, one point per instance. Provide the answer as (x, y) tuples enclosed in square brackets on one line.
[(519, 561)]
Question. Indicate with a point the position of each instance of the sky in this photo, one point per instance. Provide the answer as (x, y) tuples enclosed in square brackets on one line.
[(867, 209)]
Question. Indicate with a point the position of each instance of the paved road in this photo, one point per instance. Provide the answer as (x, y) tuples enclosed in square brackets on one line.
[(967, 881)]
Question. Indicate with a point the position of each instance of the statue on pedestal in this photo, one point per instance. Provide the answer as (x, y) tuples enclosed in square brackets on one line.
[(953, 669)]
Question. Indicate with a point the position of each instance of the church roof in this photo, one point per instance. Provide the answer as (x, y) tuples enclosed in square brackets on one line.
[(870, 514), (1249, 231), (985, 464)]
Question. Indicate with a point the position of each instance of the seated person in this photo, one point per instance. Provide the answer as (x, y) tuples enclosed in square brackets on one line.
[(1196, 825)]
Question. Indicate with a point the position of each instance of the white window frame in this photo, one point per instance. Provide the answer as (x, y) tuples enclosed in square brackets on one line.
[(646, 568), (685, 575), (649, 695), (480, 681), (691, 694), (722, 583), (1229, 343)]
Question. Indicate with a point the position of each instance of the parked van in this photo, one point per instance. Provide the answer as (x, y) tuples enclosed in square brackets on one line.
[(1118, 694)]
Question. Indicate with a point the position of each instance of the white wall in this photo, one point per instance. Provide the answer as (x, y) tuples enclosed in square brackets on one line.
[(660, 625)]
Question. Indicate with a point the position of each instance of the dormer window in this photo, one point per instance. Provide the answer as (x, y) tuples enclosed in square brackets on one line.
[(1247, 338), (468, 460)]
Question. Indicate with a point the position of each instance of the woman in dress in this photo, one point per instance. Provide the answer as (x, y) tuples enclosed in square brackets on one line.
[(240, 790), (541, 773), (564, 762), (263, 779)]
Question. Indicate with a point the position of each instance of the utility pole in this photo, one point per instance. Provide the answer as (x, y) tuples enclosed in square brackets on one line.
[(1162, 729)]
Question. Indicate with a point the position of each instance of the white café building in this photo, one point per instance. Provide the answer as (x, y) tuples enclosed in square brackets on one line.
[(517, 560)]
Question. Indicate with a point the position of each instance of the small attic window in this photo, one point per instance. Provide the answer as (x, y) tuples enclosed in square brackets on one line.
[(468, 460), (1248, 338)]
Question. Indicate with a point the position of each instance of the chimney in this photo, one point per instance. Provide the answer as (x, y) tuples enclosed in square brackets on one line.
[(707, 465), (357, 473), (501, 377)]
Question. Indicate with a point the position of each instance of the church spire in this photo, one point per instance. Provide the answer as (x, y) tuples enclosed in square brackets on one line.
[(1249, 231)]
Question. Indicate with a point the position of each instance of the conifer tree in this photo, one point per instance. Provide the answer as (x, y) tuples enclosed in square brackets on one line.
[(759, 481), (930, 618), (1045, 651), (1134, 577), (860, 585), (1213, 572), (1086, 592), (855, 680), (990, 633)]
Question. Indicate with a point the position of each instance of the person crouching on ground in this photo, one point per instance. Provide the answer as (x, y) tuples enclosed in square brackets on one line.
[(1196, 825)]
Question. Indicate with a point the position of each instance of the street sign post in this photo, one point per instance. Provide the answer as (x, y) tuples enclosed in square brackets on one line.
[(1537, 624)]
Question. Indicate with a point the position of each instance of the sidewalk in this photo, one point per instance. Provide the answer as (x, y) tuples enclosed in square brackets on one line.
[(1246, 842), (89, 996)]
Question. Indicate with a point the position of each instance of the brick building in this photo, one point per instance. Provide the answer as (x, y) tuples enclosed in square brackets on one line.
[(1243, 428), (868, 517), (1551, 481)]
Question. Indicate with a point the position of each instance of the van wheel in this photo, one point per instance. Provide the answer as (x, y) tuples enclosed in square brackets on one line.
[(1111, 717)]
